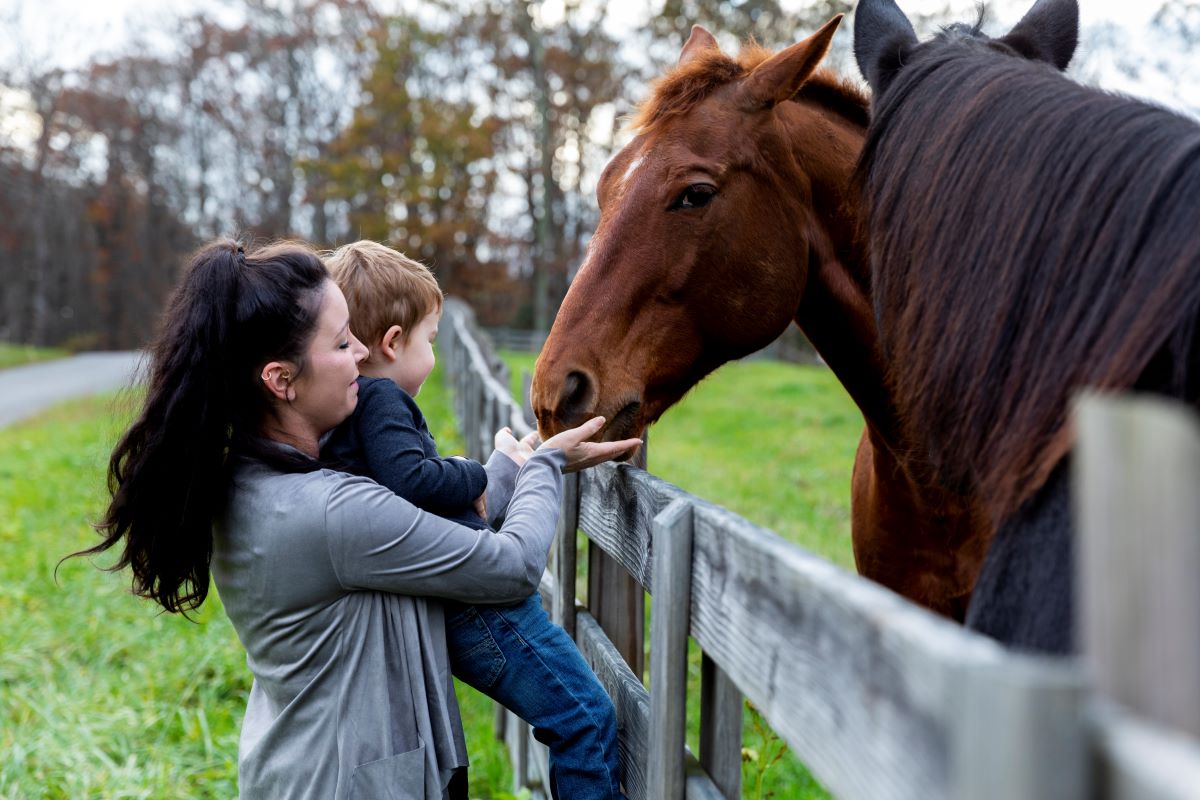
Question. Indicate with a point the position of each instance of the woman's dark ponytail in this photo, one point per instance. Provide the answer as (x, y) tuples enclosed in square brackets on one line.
[(168, 475)]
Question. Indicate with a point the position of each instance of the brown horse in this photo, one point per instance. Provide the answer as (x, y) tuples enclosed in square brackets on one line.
[(732, 213)]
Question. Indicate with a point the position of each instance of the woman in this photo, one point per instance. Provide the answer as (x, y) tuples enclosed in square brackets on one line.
[(323, 575)]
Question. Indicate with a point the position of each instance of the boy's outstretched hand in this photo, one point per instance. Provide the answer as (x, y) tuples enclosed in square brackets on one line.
[(518, 450), (581, 453)]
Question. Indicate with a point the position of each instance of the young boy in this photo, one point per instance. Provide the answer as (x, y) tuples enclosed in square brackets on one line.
[(514, 654)]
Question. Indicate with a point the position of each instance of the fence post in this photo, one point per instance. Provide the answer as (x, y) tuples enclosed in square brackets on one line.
[(566, 556), (720, 728), (617, 600), (672, 548), (1137, 470)]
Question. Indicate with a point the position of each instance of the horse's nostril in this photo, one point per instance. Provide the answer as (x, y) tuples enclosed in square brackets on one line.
[(575, 402)]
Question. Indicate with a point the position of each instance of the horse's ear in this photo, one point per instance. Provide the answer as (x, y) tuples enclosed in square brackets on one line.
[(1049, 32), (699, 41), (782, 75), (883, 37)]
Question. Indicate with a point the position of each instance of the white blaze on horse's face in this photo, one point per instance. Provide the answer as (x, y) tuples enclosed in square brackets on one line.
[(633, 167)]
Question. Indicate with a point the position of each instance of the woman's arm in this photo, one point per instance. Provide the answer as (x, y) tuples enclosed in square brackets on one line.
[(379, 541)]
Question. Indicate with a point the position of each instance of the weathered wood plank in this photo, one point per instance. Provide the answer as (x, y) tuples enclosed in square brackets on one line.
[(776, 618), (699, 785), (1139, 761), (668, 650), (720, 728), (616, 597), (566, 556), (617, 505), (861, 684), (617, 602), (631, 699), (516, 734), (1137, 469), (538, 777), (632, 702), (1022, 732)]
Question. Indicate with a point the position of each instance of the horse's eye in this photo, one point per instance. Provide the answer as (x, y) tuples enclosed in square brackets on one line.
[(697, 195)]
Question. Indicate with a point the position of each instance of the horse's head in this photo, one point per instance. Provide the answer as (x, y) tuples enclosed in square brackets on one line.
[(701, 251), (884, 40)]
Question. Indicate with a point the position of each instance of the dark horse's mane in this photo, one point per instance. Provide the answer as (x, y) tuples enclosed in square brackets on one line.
[(683, 88), (1029, 236)]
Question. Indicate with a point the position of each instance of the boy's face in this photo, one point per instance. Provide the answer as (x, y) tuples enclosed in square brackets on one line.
[(414, 358)]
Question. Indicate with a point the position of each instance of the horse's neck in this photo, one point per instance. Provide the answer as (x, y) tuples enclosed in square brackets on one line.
[(836, 312), (837, 317)]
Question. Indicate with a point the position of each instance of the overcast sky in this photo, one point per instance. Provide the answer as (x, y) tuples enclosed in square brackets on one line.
[(71, 31), (88, 26)]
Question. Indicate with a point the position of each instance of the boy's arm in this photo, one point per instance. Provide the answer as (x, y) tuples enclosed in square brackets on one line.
[(394, 454)]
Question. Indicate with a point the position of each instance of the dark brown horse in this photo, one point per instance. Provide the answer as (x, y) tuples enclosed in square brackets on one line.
[(731, 214), (1028, 236)]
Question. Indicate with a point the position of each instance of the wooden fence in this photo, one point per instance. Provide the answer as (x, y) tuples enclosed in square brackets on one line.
[(880, 698)]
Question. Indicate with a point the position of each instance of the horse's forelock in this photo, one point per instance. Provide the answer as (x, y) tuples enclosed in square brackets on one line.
[(683, 88)]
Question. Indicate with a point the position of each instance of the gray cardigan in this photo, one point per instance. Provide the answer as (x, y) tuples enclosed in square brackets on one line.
[(329, 580)]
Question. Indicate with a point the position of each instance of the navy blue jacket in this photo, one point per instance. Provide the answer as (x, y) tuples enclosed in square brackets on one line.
[(388, 440)]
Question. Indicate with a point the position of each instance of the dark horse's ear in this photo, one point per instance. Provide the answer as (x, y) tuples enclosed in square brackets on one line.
[(699, 41), (782, 75), (1049, 32), (883, 37)]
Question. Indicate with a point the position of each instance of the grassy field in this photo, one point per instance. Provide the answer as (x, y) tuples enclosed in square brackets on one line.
[(102, 697), (14, 355)]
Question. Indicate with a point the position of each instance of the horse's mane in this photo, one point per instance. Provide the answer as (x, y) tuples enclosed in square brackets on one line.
[(1028, 237), (680, 90)]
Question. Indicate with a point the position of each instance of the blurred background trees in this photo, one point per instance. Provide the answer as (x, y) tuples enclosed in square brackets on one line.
[(469, 135)]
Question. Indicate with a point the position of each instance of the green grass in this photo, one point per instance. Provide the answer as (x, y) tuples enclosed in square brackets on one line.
[(103, 697), (774, 443), (14, 355), (100, 696)]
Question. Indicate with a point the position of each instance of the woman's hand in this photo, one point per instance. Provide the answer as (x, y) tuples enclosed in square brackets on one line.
[(518, 450), (581, 453)]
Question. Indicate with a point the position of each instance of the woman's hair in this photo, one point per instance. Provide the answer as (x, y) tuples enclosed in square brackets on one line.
[(168, 475)]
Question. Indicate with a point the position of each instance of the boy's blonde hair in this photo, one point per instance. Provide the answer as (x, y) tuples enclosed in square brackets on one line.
[(383, 287)]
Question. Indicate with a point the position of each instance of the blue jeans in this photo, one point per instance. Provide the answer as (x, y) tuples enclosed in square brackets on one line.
[(518, 657)]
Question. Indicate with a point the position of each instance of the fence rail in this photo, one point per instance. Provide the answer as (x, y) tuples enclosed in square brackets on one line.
[(880, 698)]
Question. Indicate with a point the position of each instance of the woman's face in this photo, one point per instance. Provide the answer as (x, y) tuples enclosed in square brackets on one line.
[(325, 391)]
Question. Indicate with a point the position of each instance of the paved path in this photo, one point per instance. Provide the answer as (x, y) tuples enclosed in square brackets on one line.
[(26, 390)]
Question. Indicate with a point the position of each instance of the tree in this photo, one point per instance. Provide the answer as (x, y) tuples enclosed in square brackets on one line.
[(416, 167), (555, 83)]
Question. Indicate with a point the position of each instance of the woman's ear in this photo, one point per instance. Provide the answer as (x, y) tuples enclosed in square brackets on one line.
[(392, 338), (1049, 32), (277, 377), (883, 38)]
